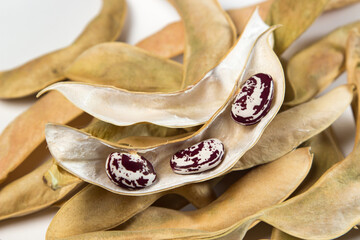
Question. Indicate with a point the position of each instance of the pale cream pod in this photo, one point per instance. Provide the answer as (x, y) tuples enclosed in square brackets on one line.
[(84, 155), (190, 107)]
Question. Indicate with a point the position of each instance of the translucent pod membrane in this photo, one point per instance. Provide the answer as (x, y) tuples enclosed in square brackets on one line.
[(189, 107), (85, 156)]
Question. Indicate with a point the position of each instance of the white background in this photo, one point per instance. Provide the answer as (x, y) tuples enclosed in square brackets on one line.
[(29, 29)]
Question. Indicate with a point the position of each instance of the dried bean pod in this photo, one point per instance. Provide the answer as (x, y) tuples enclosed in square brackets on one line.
[(130, 170), (294, 22), (96, 209), (254, 99), (327, 210), (260, 188), (27, 130), (353, 74), (87, 161), (198, 158), (326, 154), (298, 124), (29, 194), (201, 19), (170, 41), (168, 109), (314, 68)]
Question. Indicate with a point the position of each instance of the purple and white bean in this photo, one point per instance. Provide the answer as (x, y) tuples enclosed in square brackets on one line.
[(130, 170), (198, 158), (253, 101)]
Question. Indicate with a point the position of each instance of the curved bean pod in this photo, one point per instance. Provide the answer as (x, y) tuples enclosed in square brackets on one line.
[(67, 144)]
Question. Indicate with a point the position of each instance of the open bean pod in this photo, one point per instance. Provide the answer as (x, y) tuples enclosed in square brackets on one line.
[(84, 155), (190, 107), (270, 146)]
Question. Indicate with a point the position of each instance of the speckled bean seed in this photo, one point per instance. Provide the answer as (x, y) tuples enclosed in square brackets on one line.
[(253, 101), (130, 170), (198, 158)]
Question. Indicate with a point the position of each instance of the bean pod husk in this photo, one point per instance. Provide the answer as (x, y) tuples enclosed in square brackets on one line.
[(326, 154), (299, 131), (314, 68), (327, 210), (169, 41), (124, 66), (258, 189), (28, 130), (201, 20), (190, 107), (84, 156), (29, 193), (295, 16), (353, 73), (105, 210), (298, 124)]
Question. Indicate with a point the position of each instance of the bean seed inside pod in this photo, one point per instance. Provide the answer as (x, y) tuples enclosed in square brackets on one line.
[(130, 170), (198, 158), (253, 101)]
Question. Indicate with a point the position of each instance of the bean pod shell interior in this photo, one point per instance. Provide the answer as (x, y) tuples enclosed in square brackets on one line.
[(84, 156), (190, 107)]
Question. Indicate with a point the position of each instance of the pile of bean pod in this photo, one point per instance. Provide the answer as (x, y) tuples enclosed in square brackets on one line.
[(157, 134)]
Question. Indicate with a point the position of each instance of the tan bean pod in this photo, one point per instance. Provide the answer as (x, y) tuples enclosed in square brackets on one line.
[(261, 187), (314, 68)]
